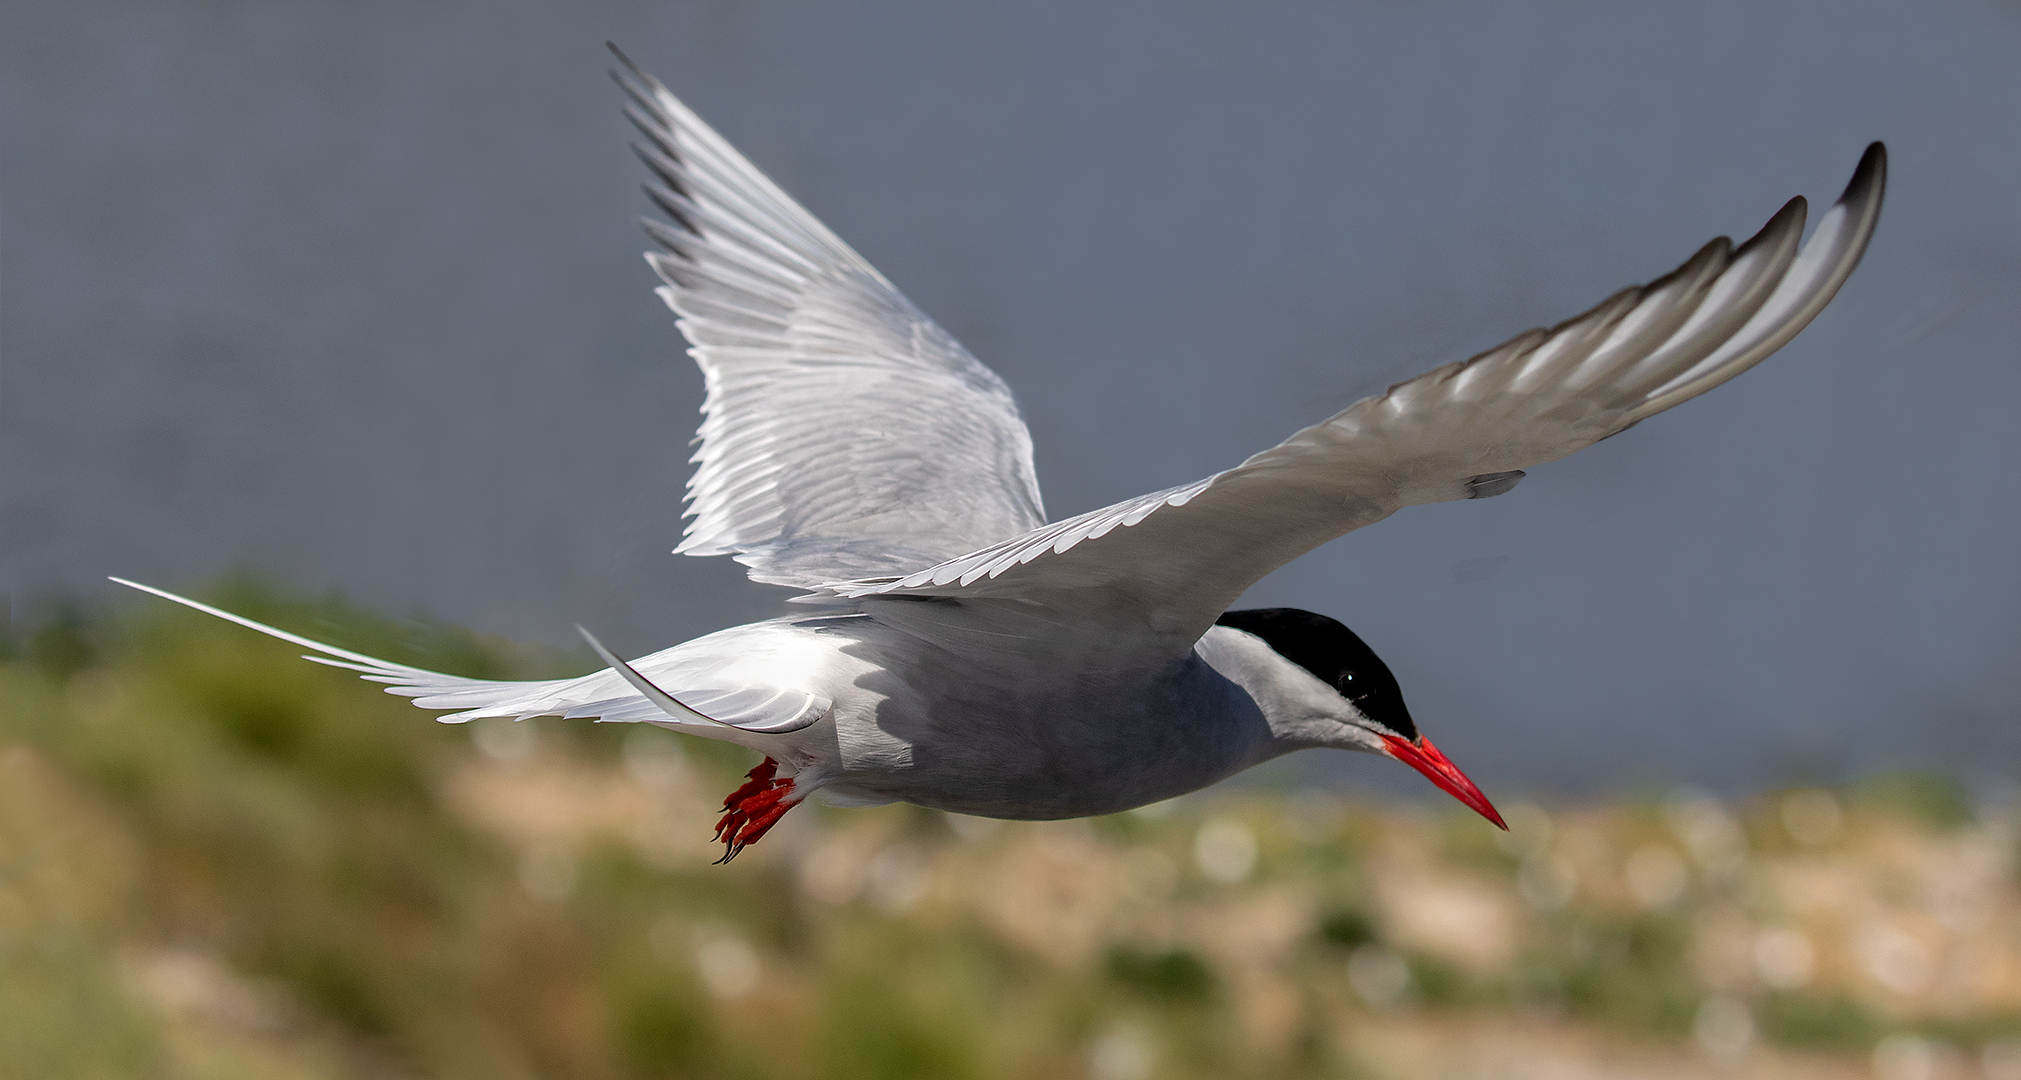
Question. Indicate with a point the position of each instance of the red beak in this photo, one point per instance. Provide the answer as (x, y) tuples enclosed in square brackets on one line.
[(1425, 758)]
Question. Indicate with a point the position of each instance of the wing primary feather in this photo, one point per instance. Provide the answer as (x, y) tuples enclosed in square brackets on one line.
[(1813, 279), (696, 175), (1750, 278), (691, 213), (1666, 305), (663, 166)]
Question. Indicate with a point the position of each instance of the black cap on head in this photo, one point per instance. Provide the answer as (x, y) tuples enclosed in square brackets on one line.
[(1334, 656)]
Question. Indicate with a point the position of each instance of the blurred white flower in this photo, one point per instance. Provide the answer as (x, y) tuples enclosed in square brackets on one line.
[(729, 966), (1963, 900), (1812, 817), (1784, 959), (1123, 1052), (1723, 1027), (1656, 876), (1896, 960), (198, 985), (1714, 838), (1905, 1057), (1225, 850), (1378, 975), (505, 741)]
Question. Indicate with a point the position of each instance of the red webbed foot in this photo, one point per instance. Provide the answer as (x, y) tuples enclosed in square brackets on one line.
[(754, 808)]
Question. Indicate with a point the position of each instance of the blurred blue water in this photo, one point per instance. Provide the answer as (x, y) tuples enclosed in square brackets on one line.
[(350, 293)]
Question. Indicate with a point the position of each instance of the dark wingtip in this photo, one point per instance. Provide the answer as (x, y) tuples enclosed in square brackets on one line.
[(1791, 216), (639, 79), (1871, 173)]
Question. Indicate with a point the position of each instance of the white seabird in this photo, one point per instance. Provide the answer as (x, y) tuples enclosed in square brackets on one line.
[(970, 656)]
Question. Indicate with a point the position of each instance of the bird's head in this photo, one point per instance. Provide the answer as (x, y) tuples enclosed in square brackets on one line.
[(1374, 719)]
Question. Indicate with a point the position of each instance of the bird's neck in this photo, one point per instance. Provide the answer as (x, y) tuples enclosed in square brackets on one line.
[(1297, 711)]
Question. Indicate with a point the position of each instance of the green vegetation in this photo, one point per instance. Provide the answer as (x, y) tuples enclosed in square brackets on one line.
[(1176, 975), (1938, 801), (1815, 1022), (1632, 973), (1349, 929)]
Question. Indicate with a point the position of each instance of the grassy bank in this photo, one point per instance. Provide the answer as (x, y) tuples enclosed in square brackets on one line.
[(218, 861)]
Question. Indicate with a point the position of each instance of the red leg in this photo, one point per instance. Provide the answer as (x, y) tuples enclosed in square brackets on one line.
[(753, 809)]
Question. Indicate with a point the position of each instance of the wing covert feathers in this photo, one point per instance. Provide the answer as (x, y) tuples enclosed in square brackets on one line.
[(1176, 559)]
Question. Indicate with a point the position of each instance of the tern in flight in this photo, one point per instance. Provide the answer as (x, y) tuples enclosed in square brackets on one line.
[(963, 653)]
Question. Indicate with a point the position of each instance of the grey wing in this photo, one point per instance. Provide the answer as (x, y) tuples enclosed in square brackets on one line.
[(845, 433), (727, 712), (1163, 566)]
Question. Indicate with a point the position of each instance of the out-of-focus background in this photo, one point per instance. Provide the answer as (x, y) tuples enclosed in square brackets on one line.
[(220, 863), (346, 298)]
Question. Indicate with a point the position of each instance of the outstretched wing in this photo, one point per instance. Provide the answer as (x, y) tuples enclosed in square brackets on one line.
[(717, 712), (1161, 567), (846, 434)]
